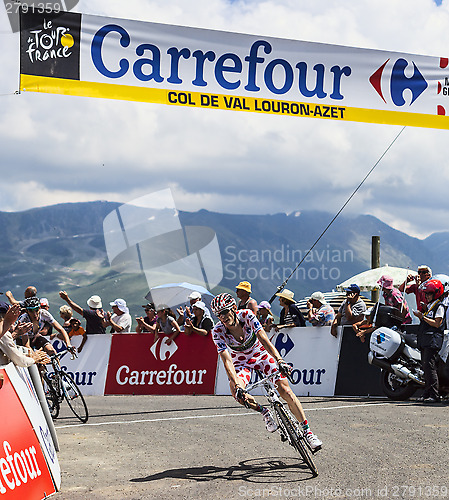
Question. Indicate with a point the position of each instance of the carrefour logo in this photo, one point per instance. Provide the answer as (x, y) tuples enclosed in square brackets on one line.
[(381, 338), (162, 349), (399, 82)]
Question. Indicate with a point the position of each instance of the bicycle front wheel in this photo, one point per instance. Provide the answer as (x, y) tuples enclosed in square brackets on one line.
[(295, 438), (50, 395), (74, 397)]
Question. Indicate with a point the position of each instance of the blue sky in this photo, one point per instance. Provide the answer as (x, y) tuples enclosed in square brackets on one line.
[(64, 149)]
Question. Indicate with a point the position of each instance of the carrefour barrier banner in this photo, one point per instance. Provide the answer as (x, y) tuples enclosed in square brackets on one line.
[(312, 351), (137, 365), (89, 369), (23, 469), (77, 54), (24, 387)]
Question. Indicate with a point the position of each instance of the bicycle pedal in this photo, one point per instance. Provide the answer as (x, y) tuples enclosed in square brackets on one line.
[(318, 448), (283, 438)]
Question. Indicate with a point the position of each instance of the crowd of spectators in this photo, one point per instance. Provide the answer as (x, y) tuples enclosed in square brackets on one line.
[(30, 324)]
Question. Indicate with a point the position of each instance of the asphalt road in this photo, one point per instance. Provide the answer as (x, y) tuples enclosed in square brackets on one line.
[(208, 447)]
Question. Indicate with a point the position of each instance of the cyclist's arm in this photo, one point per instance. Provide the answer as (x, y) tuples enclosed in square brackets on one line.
[(65, 336), (265, 341), (230, 369)]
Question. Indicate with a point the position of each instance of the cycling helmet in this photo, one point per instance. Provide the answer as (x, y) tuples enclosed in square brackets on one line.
[(221, 302), (444, 278), (433, 286), (32, 303)]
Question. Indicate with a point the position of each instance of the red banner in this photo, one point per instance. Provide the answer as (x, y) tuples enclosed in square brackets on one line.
[(23, 470), (138, 366)]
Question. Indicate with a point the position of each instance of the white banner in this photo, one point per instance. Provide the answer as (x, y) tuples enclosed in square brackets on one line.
[(78, 54), (312, 351), (89, 370)]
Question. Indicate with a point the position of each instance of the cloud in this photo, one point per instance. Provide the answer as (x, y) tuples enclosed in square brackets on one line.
[(58, 148)]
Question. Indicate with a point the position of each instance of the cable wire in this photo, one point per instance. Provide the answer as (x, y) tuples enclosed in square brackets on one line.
[(281, 287)]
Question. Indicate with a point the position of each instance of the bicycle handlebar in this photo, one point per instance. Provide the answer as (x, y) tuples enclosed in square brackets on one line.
[(61, 354), (262, 381)]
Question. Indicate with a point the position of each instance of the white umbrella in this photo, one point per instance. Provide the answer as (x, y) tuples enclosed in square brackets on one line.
[(174, 294), (368, 279)]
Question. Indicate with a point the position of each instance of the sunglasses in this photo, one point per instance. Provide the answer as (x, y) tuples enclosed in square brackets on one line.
[(423, 272), (223, 313)]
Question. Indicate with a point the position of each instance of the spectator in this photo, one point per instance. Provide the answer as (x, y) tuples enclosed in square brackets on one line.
[(264, 315), (201, 323), (243, 291), (66, 313), (430, 337), (147, 324), (9, 351), (320, 313), (120, 319), (30, 292), (393, 297), (166, 324), (188, 312), (424, 273), (75, 329), (351, 310), (290, 316), (94, 316)]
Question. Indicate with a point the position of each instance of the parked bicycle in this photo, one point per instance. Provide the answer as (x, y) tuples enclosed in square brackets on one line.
[(59, 385), (288, 426)]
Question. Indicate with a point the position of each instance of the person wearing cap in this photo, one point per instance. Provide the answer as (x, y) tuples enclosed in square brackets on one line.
[(119, 320), (319, 313), (201, 324), (264, 315), (290, 315), (424, 274), (351, 309), (147, 323), (94, 316), (166, 324), (243, 291), (183, 314), (393, 297)]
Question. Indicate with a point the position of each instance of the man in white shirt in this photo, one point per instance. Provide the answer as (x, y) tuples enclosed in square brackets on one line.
[(120, 319)]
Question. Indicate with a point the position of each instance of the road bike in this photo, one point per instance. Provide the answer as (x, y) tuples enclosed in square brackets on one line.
[(288, 426), (59, 385)]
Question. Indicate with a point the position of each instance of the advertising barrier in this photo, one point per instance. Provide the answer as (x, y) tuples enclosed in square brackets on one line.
[(312, 351), (23, 468), (138, 366), (89, 369)]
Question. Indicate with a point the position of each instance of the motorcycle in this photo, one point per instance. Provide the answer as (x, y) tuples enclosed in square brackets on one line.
[(395, 352)]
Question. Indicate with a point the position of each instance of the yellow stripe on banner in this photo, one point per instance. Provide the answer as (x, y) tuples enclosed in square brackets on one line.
[(234, 103)]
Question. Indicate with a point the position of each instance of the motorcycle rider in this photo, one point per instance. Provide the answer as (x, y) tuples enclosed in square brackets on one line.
[(430, 337)]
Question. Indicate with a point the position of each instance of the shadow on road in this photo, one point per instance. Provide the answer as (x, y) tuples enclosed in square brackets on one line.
[(260, 470)]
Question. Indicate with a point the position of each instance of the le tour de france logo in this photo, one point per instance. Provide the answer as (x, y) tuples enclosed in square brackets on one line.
[(394, 72), (50, 44), (146, 235)]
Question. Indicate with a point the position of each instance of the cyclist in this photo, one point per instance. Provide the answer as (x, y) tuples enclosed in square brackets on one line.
[(243, 346)]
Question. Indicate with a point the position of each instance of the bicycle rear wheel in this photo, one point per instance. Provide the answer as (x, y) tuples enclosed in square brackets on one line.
[(74, 397), (50, 395), (295, 438)]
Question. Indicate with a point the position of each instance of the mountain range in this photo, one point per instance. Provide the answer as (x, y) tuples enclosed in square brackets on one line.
[(63, 247)]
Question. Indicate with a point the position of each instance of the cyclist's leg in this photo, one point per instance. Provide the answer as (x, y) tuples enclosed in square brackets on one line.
[(244, 376), (286, 393), (295, 407)]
